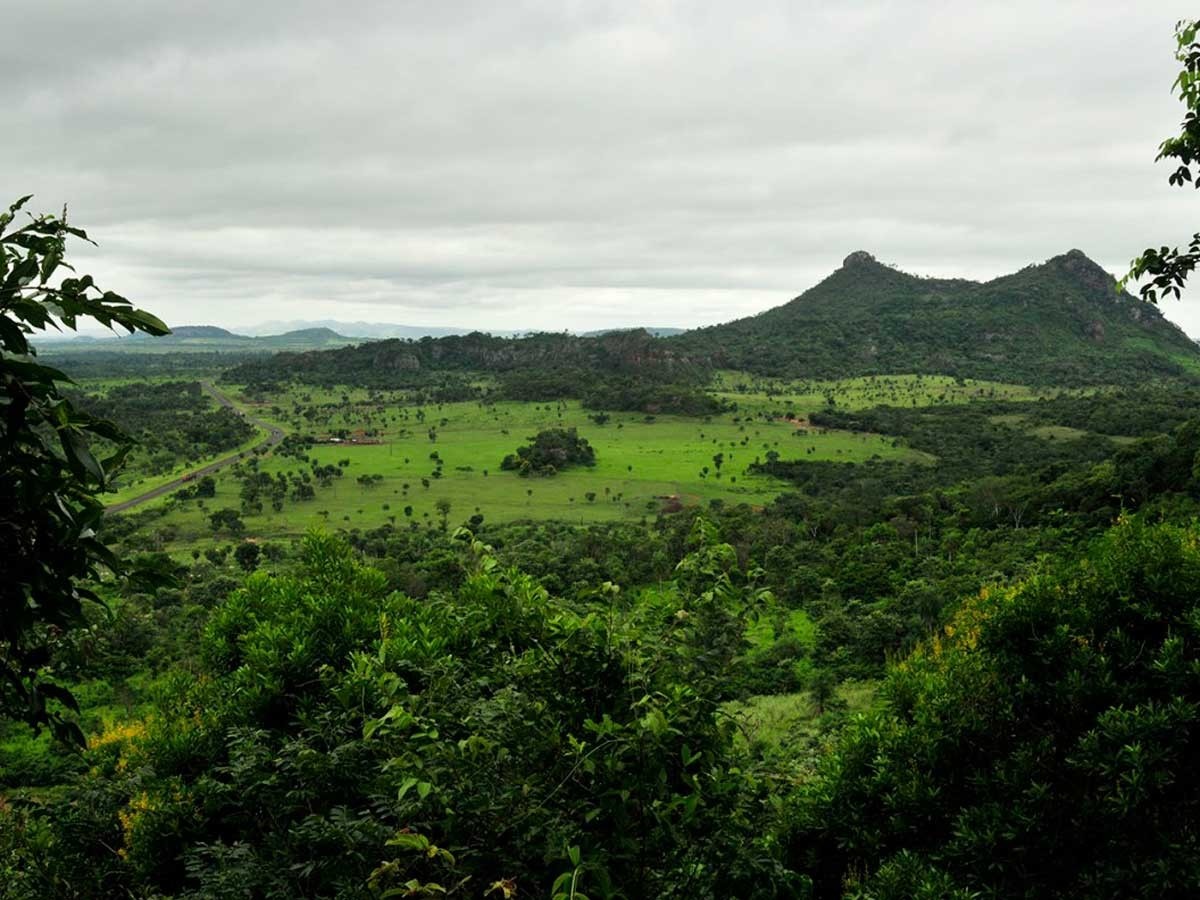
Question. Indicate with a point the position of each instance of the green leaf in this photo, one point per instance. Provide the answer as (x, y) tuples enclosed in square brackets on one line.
[(79, 455), (61, 694)]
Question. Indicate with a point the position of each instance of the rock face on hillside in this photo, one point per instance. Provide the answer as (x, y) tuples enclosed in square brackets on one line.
[(627, 353), (858, 258)]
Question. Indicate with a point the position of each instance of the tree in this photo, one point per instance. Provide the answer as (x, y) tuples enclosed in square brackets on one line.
[(1041, 746), (1168, 268), (247, 554), (549, 451), (49, 478), (443, 508), (227, 519)]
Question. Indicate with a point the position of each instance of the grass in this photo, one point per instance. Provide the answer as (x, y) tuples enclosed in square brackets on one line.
[(643, 463), (752, 393), (770, 722), (1057, 432)]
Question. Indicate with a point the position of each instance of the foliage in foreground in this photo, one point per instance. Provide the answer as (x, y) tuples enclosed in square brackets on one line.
[(342, 741), (49, 477), (1044, 746)]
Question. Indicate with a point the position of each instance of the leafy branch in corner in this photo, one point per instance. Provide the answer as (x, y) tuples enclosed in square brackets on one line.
[(1168, 268), (49, 477)]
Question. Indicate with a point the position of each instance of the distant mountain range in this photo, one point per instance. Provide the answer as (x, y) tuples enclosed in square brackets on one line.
[(376, 330), (200, 339), (1062, 322), (273, 337), (381, 330)]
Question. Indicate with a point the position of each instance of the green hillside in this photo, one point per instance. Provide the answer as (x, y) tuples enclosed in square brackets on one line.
[(1061, 322)]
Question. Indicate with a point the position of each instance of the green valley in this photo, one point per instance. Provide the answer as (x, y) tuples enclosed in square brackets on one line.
[(890, 591)]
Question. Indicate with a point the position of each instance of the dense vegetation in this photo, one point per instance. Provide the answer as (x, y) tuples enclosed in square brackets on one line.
[(540, 700), (626, 370), (550, 451), (49, 477), (171, 421), (1041, 747)]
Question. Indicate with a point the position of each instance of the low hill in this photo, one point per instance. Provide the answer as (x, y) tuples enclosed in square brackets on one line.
[(184, 332), (556, 356), (656, 332), (200, 339), (358, 329), (1061, 322)]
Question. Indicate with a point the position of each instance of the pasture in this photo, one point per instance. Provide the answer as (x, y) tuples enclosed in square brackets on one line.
[(439, 463), (644, 464)]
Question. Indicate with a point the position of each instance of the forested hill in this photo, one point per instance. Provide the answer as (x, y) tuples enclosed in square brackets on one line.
[(1061, 322), (550, 357)]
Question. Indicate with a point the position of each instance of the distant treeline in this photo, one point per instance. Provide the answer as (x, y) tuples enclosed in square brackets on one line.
[(628, 370)]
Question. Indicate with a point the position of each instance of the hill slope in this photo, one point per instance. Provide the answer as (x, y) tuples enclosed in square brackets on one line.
[(536, 366), (1061, 322)]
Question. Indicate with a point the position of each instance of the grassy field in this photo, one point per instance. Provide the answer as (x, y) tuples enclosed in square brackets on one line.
[(753, 393), (642, 463)]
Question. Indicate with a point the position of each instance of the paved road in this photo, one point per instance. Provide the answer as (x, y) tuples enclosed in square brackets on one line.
[(274, 436)]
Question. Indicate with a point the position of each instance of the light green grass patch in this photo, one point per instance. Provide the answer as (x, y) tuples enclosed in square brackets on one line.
[(643, 463), (1185, 361), (1059, 432), (753, 393), (774, 721)]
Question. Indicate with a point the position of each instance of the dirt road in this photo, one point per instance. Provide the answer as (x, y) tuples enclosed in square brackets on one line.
[(274, 436)]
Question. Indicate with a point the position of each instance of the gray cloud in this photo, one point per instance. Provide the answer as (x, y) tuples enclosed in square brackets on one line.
[(578, 165)]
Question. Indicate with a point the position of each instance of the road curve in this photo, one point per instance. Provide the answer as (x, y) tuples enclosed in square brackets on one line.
[(274, 436)]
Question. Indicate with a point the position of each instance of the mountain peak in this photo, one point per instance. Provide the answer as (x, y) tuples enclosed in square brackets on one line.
[(859, 258), (1079, 266)]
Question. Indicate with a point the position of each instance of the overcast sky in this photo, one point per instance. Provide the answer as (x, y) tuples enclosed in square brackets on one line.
[(583, 164)]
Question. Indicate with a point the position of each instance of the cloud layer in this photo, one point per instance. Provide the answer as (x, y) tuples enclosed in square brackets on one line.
[(583, 164)]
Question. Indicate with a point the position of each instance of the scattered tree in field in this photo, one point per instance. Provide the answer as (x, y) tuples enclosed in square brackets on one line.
[(550, 451), (247, 554), (227, 520)]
